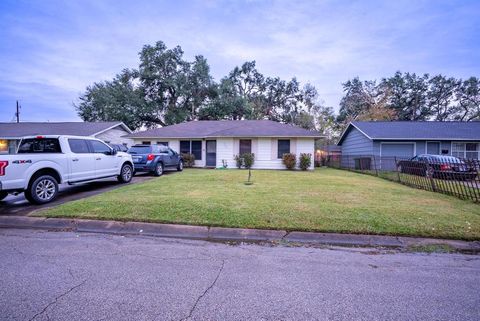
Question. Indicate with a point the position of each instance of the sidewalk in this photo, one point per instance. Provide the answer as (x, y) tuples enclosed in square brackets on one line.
[(232, 234)]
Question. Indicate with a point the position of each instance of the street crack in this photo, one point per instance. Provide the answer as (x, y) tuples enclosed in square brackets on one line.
[(56, 300), (204, 293)]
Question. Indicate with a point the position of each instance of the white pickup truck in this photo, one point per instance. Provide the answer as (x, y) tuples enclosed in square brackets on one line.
[(43, 162)]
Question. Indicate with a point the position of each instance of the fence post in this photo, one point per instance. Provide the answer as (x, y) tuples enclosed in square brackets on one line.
[(375, 165), (397, 169), (432, 181)]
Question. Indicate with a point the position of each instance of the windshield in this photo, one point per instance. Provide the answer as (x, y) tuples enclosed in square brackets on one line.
[(140, 150)]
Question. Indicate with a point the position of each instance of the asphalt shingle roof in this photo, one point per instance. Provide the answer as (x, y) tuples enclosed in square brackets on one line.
[(12, 130), (226, 128), (412, 130)]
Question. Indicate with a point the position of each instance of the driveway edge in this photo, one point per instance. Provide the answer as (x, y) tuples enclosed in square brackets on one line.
[(222, 234)]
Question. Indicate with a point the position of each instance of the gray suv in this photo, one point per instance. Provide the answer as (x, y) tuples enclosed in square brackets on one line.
[(155, 159)]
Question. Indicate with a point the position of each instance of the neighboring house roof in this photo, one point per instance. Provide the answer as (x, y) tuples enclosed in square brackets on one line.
[(16, 130), (226, 128), (416, 130)]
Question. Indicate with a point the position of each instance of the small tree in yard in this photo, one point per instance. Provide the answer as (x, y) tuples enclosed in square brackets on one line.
[(248, 160), (305, 161), (238, 161), (289, 160)]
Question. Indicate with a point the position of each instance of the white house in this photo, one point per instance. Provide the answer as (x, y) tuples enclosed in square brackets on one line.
[(215, 143), (110, 132)]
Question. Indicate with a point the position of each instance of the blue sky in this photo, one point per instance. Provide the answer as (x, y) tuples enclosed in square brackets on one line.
[(51, 50)]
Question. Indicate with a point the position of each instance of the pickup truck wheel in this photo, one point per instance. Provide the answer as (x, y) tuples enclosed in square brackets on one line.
[(42, 190), (180, 166), (158, 170), (3, 195), (126, 174)]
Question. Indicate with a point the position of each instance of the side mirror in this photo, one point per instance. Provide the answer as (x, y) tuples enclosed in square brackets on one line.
[(111, 152)]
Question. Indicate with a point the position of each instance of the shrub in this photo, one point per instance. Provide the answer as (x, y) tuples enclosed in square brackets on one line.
[(248, 160), (305, 161), (188, 160), (289, 160), (238, 161), (245, 160)]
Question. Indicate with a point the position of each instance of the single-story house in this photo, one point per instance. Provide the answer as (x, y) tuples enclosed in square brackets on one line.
[(110, 132), (410, 138), (216, 142)]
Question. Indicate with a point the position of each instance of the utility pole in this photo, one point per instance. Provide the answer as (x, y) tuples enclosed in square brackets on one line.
[(17, 114)]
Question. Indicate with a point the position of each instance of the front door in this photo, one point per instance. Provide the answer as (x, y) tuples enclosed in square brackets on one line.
[(211, 147)]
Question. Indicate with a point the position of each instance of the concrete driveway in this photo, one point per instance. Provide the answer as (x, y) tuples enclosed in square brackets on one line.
[(18, 205), (70, 276)]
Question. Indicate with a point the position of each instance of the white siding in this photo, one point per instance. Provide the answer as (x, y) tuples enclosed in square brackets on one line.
[(265, 150), (114, 136), (225, 151), (305, 145)]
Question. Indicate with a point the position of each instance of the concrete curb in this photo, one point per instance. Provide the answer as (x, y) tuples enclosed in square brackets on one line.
[(230, 234)]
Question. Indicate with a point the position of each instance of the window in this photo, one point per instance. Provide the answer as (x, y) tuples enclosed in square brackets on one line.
[(3, 146), (99, 147), (39, 145), (197, 149), (146, 142), (466, 150), (140, 150), (283, 147), (245, 146), (163, 143), (191, 147), (78, 146)]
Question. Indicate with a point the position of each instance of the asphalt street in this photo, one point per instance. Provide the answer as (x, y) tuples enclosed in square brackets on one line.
[(78, 276)]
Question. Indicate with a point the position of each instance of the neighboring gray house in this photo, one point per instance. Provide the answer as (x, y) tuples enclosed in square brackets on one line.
[(110, 132), (215, 142), (409, 138)]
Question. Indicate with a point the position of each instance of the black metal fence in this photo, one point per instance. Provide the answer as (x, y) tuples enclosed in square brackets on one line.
[(443, 174)]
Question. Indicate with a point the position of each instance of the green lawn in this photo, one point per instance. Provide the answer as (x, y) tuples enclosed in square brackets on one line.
[(325, 200)]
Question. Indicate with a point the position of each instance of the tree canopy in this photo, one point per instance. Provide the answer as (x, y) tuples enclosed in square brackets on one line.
[(167, 89)]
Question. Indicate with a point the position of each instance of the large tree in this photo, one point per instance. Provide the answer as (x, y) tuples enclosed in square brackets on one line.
[(116, 100), (166, 89), (467, 95), (408, 95)]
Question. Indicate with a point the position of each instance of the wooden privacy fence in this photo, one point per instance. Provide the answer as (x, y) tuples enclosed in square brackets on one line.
[(442, 174)]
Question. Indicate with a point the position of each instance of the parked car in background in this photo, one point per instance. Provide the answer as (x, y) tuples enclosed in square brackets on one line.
[(44, 162), (438, 166), (155, 159), (119, 147)]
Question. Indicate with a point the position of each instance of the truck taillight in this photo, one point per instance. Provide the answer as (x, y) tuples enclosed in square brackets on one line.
[(3, 165), (150, 157), (445, 167)]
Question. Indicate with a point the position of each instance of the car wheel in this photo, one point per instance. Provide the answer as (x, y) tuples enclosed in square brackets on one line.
[(126, 174), (158, 170), (3, 195), (42, 190), (180, 166)]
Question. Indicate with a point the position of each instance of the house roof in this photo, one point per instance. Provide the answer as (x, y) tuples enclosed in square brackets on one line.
[(226, 128), (416, 130), (16, 130)]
